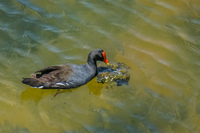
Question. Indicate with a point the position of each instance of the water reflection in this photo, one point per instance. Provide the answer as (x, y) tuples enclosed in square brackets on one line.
[(37, 94), (95, 88)]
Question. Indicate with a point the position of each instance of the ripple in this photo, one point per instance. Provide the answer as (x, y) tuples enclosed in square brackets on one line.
[(159, 40), (152, 40), (31, 6), (94, 7), (168, 6)]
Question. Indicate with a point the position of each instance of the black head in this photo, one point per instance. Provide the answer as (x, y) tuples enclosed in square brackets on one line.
[(97, 55)]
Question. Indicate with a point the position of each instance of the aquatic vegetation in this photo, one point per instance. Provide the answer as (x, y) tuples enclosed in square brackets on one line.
[(114, 73)]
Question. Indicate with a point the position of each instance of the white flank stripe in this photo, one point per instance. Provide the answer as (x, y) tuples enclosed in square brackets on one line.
[(60, 84), (38, 86), (41, 86)]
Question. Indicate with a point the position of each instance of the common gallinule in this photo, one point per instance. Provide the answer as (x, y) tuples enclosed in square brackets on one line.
[(67, 76)]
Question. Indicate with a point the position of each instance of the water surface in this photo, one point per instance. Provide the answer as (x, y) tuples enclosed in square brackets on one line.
[(158, 40)]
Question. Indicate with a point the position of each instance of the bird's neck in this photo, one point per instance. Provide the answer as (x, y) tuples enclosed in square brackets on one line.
[(91, 61), (92, 64)]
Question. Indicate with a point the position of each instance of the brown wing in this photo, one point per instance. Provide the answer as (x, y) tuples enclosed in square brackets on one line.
[(47, 70), (51, 68), (48, 77), (52, 74)]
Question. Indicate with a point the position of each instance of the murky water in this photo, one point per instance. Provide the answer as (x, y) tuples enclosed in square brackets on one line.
[(158, 40)]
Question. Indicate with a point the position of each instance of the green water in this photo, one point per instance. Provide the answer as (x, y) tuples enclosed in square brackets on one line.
[(158, 40)]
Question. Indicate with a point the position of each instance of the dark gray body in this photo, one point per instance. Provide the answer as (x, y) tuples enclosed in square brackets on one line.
[(81, 75), (66, 76)]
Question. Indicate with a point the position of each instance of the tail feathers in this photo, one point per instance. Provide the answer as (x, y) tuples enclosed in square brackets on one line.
[(32, 82)]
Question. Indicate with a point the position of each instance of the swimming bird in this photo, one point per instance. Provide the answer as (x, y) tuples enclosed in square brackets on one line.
[(67, 76)]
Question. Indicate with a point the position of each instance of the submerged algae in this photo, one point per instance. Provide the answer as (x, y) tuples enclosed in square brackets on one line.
[(114, 73)]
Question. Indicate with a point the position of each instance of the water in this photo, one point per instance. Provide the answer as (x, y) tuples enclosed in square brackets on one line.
[(158, 40)]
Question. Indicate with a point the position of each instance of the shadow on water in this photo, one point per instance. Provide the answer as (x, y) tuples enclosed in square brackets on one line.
[(94, 87), (37, 94)]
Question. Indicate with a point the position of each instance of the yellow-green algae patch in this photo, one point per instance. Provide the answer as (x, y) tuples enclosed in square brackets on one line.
[(114, 73)]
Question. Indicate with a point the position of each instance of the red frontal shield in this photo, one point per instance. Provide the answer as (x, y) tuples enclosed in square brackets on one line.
[(104, 57)]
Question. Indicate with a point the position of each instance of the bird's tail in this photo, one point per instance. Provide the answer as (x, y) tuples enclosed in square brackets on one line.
[(32, 82)]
